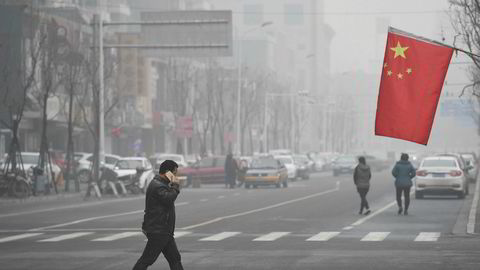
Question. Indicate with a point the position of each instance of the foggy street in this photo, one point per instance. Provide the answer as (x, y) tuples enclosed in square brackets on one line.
[(312, 224)]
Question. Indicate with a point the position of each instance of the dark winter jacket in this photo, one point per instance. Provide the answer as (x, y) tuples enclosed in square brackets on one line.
[(231, 168), (403, 171), (159, 215), (362, 175)]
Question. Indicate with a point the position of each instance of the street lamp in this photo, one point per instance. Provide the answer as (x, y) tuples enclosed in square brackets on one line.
[(239, 86)]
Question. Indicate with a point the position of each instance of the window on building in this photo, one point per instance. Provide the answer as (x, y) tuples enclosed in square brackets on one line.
[(253, 14), (294, 14)]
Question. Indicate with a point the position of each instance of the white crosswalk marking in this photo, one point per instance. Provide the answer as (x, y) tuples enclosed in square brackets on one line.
[(18, 237), (375, 236), (65, 237), (117, 236), (427, 237), (271, 236), (219, 236), (180, 234), (323, 236)]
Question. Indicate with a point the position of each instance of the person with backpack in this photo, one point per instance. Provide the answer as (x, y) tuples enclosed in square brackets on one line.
[(361, 178)]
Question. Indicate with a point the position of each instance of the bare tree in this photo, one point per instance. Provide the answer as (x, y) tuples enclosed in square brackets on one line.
[(465, 19), (18, 80)]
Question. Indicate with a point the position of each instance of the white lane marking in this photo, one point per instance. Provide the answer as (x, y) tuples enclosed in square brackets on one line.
[(323, 236), (259, 209), (220, 236), (473, 210), (375, 236), (221, 197), (271, 236), (94, 218), (65, 237), (117, 236), (18, 237), (427, 237), (180, 234), (348, 228), (204, 200)]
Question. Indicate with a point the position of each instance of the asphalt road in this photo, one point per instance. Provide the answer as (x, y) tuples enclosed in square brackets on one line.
[(312, 224)]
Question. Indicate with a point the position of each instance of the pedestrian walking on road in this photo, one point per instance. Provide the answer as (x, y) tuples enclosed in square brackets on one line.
[(361, 178), (403, 171), (231, 169), (159, 219)]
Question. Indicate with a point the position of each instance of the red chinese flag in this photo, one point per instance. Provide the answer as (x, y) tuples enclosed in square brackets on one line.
[(414, 70)]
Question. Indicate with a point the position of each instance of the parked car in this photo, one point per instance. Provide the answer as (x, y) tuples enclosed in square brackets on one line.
[(84, 161), (31, 160), (303, 166), (440, 175), (320, 163), (289, 164), (125, 168), (159, 158), (209, 170), (471, 159), (344, 165), (266, 171)]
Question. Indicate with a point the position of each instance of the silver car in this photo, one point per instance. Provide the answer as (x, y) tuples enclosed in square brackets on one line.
[(441, 175)]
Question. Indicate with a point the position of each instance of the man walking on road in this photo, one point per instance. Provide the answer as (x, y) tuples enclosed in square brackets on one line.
[(361, 178), (159, 219)]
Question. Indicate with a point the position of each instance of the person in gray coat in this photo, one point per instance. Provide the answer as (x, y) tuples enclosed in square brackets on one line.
[(403, 171), (361, 178)]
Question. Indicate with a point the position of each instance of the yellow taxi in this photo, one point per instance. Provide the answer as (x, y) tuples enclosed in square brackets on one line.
[(264, 171)]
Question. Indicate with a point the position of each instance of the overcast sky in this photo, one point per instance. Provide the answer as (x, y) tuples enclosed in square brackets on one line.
[(360, 44)]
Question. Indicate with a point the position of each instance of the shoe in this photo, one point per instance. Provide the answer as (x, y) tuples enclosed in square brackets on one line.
[(360, 213), (400, 210), (406, 212), (368, 212)]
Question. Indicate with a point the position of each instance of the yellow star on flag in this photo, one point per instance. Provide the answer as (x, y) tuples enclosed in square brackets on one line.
[(389, 73), (400, 75), (385, 65), (409, 70), (399, 50)]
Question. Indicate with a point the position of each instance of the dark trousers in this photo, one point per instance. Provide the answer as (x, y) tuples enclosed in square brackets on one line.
[(406, 194), (160, 244), (363, 196)]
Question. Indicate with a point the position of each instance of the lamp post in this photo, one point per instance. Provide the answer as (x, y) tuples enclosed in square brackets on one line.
[(239, 86)]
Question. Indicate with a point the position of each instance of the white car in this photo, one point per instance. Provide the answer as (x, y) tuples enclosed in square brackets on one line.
[(31, 160), (161, 157), (289, 164), (441, 175), (127, 167), (83, 164)]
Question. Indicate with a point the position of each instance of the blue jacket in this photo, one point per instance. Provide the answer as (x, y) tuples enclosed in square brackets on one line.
[(403, 173)]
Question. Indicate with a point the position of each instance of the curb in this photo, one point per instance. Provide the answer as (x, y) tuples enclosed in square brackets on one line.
[(473, 211)]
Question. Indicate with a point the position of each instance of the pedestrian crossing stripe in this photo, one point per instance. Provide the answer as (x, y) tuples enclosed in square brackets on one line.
[(323, 236), (427, 237), (375, 236), (269, 237), (220, 236), (18, 237), (117, 236), (65, 237)]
